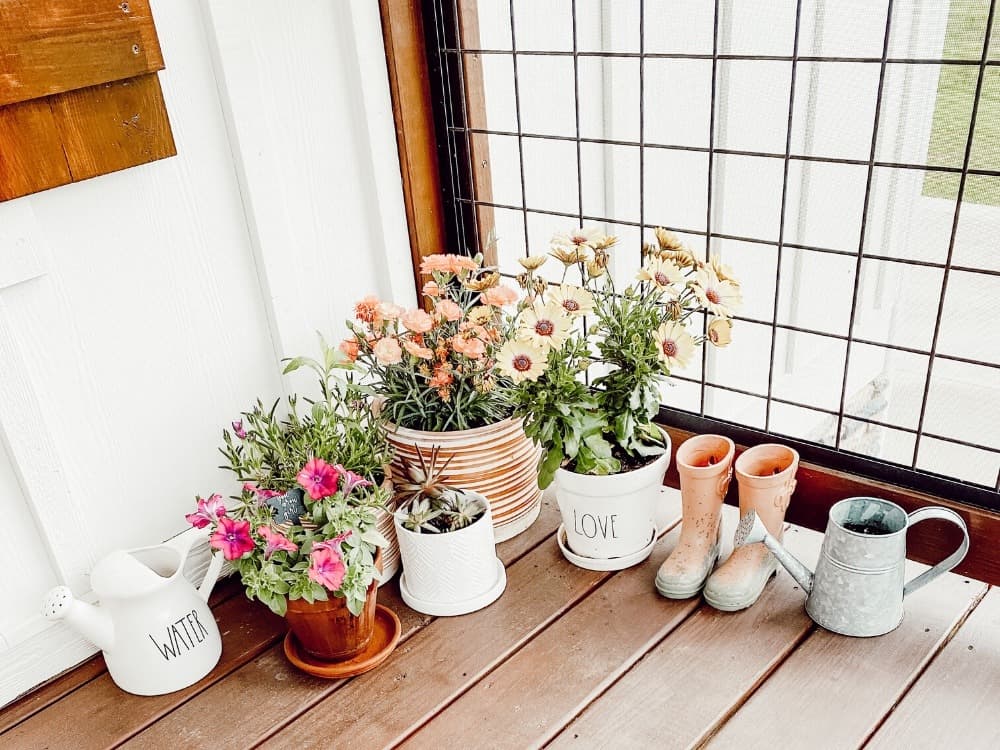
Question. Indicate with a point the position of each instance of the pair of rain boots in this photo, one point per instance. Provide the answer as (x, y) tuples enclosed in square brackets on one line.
[(766, 477)]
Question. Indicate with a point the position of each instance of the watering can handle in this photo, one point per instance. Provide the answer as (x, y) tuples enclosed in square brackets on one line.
[(949, 562)]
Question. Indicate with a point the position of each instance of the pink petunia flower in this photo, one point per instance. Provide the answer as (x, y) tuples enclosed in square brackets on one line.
[(275, 542), (350, 480), (233, 538), (209, 512), (327, 568), (318, 478), (238, 429), (333, 544)]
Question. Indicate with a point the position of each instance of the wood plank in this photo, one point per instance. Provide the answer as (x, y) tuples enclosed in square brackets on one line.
[(699, 673), (269, 682), (409, 84), (113, 126), (566, 667), (100, 714), (954, 703), (448, 656), (31, 155), (863, 677), (820, 487), (65, 45), (66, 683), (277, 690)]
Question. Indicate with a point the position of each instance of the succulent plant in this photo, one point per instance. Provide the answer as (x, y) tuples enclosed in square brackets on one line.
[(424, 479), (428, 504)]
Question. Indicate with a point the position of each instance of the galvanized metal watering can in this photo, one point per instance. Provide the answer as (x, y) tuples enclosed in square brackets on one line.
[(858, 587), (155, 629)]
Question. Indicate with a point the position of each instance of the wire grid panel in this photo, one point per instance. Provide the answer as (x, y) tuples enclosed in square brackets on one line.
[(841, 156)]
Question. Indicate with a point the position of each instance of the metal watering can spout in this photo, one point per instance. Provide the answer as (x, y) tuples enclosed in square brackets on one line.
[(93, 623), (751, 530)]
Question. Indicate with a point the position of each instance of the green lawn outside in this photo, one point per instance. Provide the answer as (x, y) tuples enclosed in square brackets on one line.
[(953, 109)]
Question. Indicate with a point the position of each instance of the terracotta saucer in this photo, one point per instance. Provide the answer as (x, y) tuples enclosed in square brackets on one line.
[(383, 642)]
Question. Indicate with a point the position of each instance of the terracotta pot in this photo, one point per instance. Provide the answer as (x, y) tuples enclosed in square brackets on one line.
[(498, 461), (327, 630)]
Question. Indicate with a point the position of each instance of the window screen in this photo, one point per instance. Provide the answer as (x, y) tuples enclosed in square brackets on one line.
[(840, 155)]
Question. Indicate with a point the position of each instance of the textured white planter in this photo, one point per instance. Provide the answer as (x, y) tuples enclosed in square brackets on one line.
[(611, 518), (451, 573), (498, 461)]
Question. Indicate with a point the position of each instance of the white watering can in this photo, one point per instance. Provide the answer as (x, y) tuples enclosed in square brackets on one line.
[(155, 629)]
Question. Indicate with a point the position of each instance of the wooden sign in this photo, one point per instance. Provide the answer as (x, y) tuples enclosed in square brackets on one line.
[(79, 94)]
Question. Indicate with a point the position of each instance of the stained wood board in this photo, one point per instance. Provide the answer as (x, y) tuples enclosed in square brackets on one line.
[(278, 690), (275, 688), (838, 689), (99, 714), (954, 704), (31, 155), (696, 676), (65, 45), (549, 681), (113, 126)]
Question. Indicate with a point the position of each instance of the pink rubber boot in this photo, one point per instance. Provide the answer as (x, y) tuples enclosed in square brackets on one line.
[(766, 476), (705, 465)]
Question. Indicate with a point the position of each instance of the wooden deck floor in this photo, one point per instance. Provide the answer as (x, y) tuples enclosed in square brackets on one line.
[(570, 658)]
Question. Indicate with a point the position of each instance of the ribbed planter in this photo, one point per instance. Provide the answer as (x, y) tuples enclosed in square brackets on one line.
[(450, 573), (609, 522), (498, 461)]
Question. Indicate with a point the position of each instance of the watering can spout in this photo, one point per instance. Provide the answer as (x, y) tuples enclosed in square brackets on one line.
[(93, 623), (752, 530)]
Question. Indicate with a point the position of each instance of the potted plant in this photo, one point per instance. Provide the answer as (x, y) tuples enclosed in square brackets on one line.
[(447, 543), (600, 441), (435, 370), (302, 533)]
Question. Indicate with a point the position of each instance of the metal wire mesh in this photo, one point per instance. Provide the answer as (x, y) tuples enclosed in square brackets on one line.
[(803, 149)]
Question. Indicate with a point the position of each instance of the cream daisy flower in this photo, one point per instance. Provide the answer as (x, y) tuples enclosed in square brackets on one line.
[(577, 237), (544, 325), (723, 271), (521, 360), (662, 273), (532, 262), (674, 345), (573, 299), (720, 298), (720, 332)]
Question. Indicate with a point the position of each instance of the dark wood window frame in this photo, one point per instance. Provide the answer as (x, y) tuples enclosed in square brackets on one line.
[(819, 486)]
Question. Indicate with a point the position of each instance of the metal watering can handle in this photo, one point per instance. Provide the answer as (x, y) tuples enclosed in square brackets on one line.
[(949, 562)]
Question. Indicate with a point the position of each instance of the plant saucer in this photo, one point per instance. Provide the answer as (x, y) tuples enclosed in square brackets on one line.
[(603, 563), (383, 642), (447, 609)]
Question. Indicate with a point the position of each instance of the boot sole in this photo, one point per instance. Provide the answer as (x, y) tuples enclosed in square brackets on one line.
[(740, 604), (677, 592)]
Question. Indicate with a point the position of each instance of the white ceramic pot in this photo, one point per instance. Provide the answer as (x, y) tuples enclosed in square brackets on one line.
[(450, 573), (611, 517)]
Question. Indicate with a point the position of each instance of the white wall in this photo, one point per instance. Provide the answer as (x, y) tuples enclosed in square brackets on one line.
[(140, 311)]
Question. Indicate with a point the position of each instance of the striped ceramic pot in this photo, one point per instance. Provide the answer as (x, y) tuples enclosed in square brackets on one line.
[(498, 461)]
